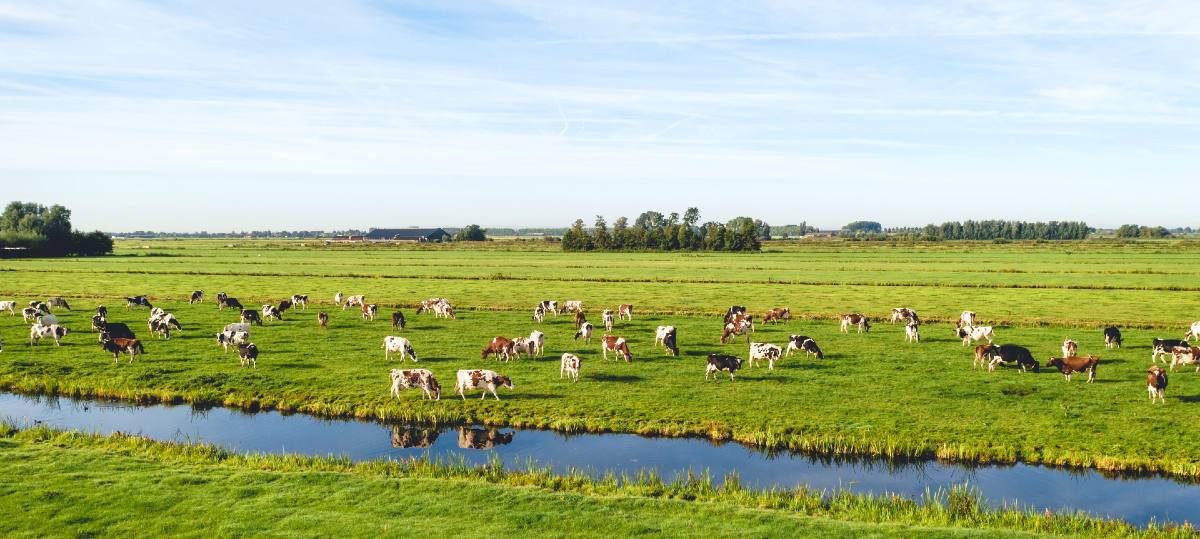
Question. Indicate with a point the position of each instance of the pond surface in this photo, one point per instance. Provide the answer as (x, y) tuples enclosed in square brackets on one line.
[(1137, 501)]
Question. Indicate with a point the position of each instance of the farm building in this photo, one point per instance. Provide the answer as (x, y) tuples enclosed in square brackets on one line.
[(419, 235)]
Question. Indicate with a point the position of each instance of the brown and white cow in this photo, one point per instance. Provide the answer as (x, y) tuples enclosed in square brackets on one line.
[(615, 344), (776, 315), (116, 345), (625, 311), (580, 319), (502, 347), (422, 379), (570, 367), (855, 319), (904, 314), (1185, 355), (740, 325), (429, 304), (607, 315), (1069, 365), (444, 310), (1156, 384), (369, 311), (354, 301), (572, 306), (1070, 348), (761, 350), (323, 319), (398, 320), (470, 379)]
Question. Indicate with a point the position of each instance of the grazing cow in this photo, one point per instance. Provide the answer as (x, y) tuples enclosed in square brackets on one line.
[(797, 343), (430, 304), (47, 320), (736, 310), (901, 314), (776, 315), (722, 362), (570, 367), (58, 301), (29, 314), (98, 323), (398, 320), (1069, 348), (1156, 384), (967, 318), (116, 345), (138, 301), (285, 305), (369, 311), (855, 319), (249, 315), (300, 301), (398, 344), (416, 378), (549, 306), (116, 330), (615, 344), (970, 334), (523, 345), (157, 312), (488, 381), (40, 306), (625, 311), (580, 319), (1069, 365), (233, 303), (585, 331), (337, 299), (761, 350), (1185, 355), (37, 332), (608, 319), (1005, 354), (102, 311), (323, 319), (539, 314), (235, 338), (912, 332), (665, 335), (1163, 347), (443, 310), (248, 355), (10, 306), (197, 297), (1112, 337), (410, 437), (352, 301), (1193, 332), (473, 438), (539, 342), (270, 312), (739, 325), (501, 346), (573, 306), (159, 327)]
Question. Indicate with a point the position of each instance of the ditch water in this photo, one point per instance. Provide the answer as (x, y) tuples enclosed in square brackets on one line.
[(1135, 500)]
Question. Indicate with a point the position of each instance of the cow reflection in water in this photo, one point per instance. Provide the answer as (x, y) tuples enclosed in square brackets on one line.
[(473, 438), (408, 437)]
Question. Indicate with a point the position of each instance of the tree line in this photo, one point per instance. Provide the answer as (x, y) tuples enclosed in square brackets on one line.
[(31, 229), (657, 232), (1135, 231), (997, 230)]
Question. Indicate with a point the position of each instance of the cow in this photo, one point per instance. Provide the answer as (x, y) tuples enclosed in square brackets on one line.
[(271, 312), (58, 301), (625, 311), (116, 330), (1193, 332), (665, 335), (902, 314), (1162, 347), (722, 362), (300, 301), (580, 319), (760, 351), (1112, 337), (469, 379), (502, 347), (284, 305), (1069, 365), (444, 310), (157, 312), (967, 318), (585, 331), (569, 367), (473, 438), (615, 344), (1005, 354), (29, 314), (734, 311), (47, 320), (234, 338), (102, 311), (776, 315), (608, 319), (430, 304), (416, 378), (369, 311), (322, 319), (37, 332), (1185, 355), (10, 306), (398, 321), (538, 339), (353, 301), (912, 332), (573, 306), (159, 327), (40, 306), (248, 354), (549, 306), (398, 344), (797, 343), (1070, 348), (250, 315), (98, 323), (337, 299), (233, 303), (116, 345), (523, 345), (739, 325), (539, 314), (970, 334), (137, 301), (855, 319), (197, 297), (1156, 384)]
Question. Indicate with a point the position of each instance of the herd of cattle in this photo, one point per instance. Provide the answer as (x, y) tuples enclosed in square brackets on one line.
[(117, 338)]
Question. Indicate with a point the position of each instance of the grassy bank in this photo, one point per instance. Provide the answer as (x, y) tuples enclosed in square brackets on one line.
[(141, 487)]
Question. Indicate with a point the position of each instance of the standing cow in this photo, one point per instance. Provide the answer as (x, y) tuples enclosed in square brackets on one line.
[(486, 380)]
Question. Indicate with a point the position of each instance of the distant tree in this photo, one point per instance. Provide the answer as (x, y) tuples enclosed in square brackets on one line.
[(619, 233), (576, 238), (46, 231), (871, 227), (650, 219), (471, 233), (600, 236)]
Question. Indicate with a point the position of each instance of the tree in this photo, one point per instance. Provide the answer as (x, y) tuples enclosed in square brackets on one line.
[(619, 233), (863, 226), (43, 231), (600, 237), (471, 233), (576, 238), (650, 219)]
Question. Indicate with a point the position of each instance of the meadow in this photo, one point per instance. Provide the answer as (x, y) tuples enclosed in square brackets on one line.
[(872, 395)]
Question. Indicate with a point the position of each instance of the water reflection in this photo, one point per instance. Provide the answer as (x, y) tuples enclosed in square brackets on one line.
[(410, 437), (482, 438)]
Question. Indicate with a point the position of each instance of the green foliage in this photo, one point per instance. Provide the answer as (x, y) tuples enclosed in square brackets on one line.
[(471, 233), (997, 229), (1135, 231), (654, 231), (863, 226), (35, 230)]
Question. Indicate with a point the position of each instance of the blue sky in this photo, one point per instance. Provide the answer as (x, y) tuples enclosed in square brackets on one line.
[(324, 115)]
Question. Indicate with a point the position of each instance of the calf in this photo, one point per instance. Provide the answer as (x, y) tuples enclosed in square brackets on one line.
[(398, 344), (369, 311), (502, 347), (1156, 384), (416, 378), (1008, 353), (300, 301), (776, 315), (1069, 348), (608, 319), (855, 319), (615, 344), (549, 306), (625, 311), (1185, 355), (10, 306), (1069, 365), (569, 367), (58, 301), (248, 354), (902, 314), (250, 315), (1112, 337), (970, 334), (760, 351), (580, 319), (721, 362), (572, 306), (480, 379), (665, 335), (234, 338), (323, 319), (116, 330), (116, 345), (37, 332), (912, 332), (538, 339), (585, 331), (197, 297), (398, 320), (1163, 347)]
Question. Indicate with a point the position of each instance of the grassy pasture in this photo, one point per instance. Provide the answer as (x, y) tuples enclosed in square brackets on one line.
[(872, 395)]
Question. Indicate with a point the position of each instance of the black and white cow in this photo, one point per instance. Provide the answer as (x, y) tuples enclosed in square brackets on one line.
[(197, 297), (761, 350), (1112, 337), (722, 362), (248, 354), (251, 315)]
